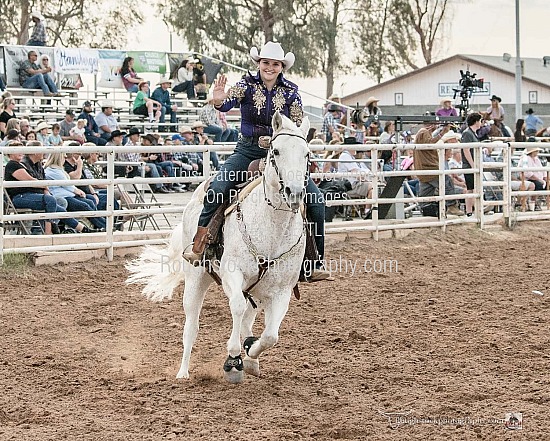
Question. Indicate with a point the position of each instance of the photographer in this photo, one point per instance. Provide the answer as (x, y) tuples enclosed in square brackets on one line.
[(470, 135)]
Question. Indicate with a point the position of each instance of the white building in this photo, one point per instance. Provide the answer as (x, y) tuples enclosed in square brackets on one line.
[(422, 90)]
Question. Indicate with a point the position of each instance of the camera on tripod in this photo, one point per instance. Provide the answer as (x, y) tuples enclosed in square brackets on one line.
[(468, 82)]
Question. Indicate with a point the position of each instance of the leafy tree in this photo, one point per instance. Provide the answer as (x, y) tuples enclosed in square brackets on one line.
[(88, 23)]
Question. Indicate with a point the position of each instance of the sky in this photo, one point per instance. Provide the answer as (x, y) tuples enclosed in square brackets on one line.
[(477, 27)]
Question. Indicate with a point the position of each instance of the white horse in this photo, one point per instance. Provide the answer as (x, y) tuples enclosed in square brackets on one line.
[(267, 225)]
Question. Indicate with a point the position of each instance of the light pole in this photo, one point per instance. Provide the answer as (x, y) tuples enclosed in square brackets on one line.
[(518, 67)]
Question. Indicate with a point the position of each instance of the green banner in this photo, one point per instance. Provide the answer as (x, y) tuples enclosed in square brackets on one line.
[(149, 61)]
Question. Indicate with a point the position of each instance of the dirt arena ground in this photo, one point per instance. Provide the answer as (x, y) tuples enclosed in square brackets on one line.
[(455, 334)]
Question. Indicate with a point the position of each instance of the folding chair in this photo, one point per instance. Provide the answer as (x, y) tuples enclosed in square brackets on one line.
[(130, 203), (19, 226)]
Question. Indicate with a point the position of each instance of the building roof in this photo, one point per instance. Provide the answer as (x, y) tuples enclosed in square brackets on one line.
[(533, 70)]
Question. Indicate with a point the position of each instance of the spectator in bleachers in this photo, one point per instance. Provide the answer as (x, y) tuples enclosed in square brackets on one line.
[(455, 162), (35, 198), (129, 76), (75, 197), (43, 132), (92, 130), (212, 124), (183, 76), (446, 108), (13, 124), (429, 160), (24, 126), (202, 138), (530, 159), (106, 121), (150, 159), (78, 133), (44, 63), (388, 133), (145, 106), (519, 133), (360, 185), (11, 135), (8, 112), (38, 36), (532, 123), (189, 165), (329, 122), (233, 133), (199, 78), (31, 76), (162, 96), (164, 166), (55, 137), (373, 129), (66, 124), (30, 136)]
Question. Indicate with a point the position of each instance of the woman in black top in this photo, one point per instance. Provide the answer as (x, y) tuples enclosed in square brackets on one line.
[(8, 112)]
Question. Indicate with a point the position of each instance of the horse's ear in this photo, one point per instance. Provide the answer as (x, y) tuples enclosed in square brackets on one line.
[(305, 126), (277, 122)]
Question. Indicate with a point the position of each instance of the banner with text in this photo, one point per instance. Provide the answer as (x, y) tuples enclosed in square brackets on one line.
[(76, 61), (110, 63), (149, 61)]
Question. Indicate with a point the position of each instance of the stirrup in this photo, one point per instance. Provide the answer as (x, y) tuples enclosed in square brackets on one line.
[(193, 258)]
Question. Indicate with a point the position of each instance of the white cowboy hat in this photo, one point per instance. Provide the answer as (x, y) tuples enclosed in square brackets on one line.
[(197, 124), (185, 129), (106, 103), (43, 125), (446, 100), (530, 150), (449, 135), (273, 51), (37, 14), (370, 100), (164, 80)]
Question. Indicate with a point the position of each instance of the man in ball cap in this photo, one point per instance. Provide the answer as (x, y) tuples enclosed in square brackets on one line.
[(91, 130), (330, 121)]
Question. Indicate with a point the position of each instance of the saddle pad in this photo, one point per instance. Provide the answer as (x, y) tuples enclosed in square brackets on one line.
[(242, 195)]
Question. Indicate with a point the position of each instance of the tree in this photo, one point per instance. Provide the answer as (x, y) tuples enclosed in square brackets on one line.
[(393, 34), (72, 24)]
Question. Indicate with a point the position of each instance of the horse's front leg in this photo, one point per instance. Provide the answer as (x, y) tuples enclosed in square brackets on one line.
[(251, 365), (233, 366), (275, 310)]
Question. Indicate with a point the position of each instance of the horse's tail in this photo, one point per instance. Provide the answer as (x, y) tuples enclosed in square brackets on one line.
[(160, 269)]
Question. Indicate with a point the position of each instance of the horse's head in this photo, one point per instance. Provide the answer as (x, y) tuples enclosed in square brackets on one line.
[(288, 159)]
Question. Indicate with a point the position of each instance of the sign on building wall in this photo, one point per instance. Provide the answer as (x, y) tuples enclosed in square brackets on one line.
[(447, 89)]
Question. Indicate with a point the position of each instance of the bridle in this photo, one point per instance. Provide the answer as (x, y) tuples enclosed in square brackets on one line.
[(273, 161)]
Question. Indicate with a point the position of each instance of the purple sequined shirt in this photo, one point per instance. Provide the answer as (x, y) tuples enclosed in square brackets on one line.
[(259, 104)]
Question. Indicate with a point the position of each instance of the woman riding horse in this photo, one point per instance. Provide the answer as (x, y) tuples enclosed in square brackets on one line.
[(259, 96)]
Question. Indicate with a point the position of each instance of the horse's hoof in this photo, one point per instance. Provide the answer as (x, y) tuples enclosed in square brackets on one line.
[(234, 376), (252, 366), (182, 374), (233, 369)]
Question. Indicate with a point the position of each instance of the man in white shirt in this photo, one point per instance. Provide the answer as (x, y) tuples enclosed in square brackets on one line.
[(106, 121), (359, 174)]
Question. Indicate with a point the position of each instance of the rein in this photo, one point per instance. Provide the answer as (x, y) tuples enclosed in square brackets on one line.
[(276, 167), (264, 263)]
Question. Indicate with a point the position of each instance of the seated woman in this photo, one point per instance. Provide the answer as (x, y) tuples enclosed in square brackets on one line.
[(77, 199), (144, 105), (129, 75), (35, 198), (530, 159), (183, 78)]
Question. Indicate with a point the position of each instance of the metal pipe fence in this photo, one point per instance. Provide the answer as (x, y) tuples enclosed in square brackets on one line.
[(377, 176)]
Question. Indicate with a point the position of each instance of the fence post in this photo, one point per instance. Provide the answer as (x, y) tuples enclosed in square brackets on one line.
[(374, 206), (478, 184), (110, 202), (506, 193), (1, 209), (441, 190)]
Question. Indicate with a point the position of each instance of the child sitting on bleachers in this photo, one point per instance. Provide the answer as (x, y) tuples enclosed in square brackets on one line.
[(55, 137), (78, 131)]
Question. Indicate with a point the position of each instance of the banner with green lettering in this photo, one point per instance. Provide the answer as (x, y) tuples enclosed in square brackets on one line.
[(149, 61)]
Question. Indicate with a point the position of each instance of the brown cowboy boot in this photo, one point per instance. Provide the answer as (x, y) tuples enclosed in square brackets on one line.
[(201, 239), (320, 273)]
